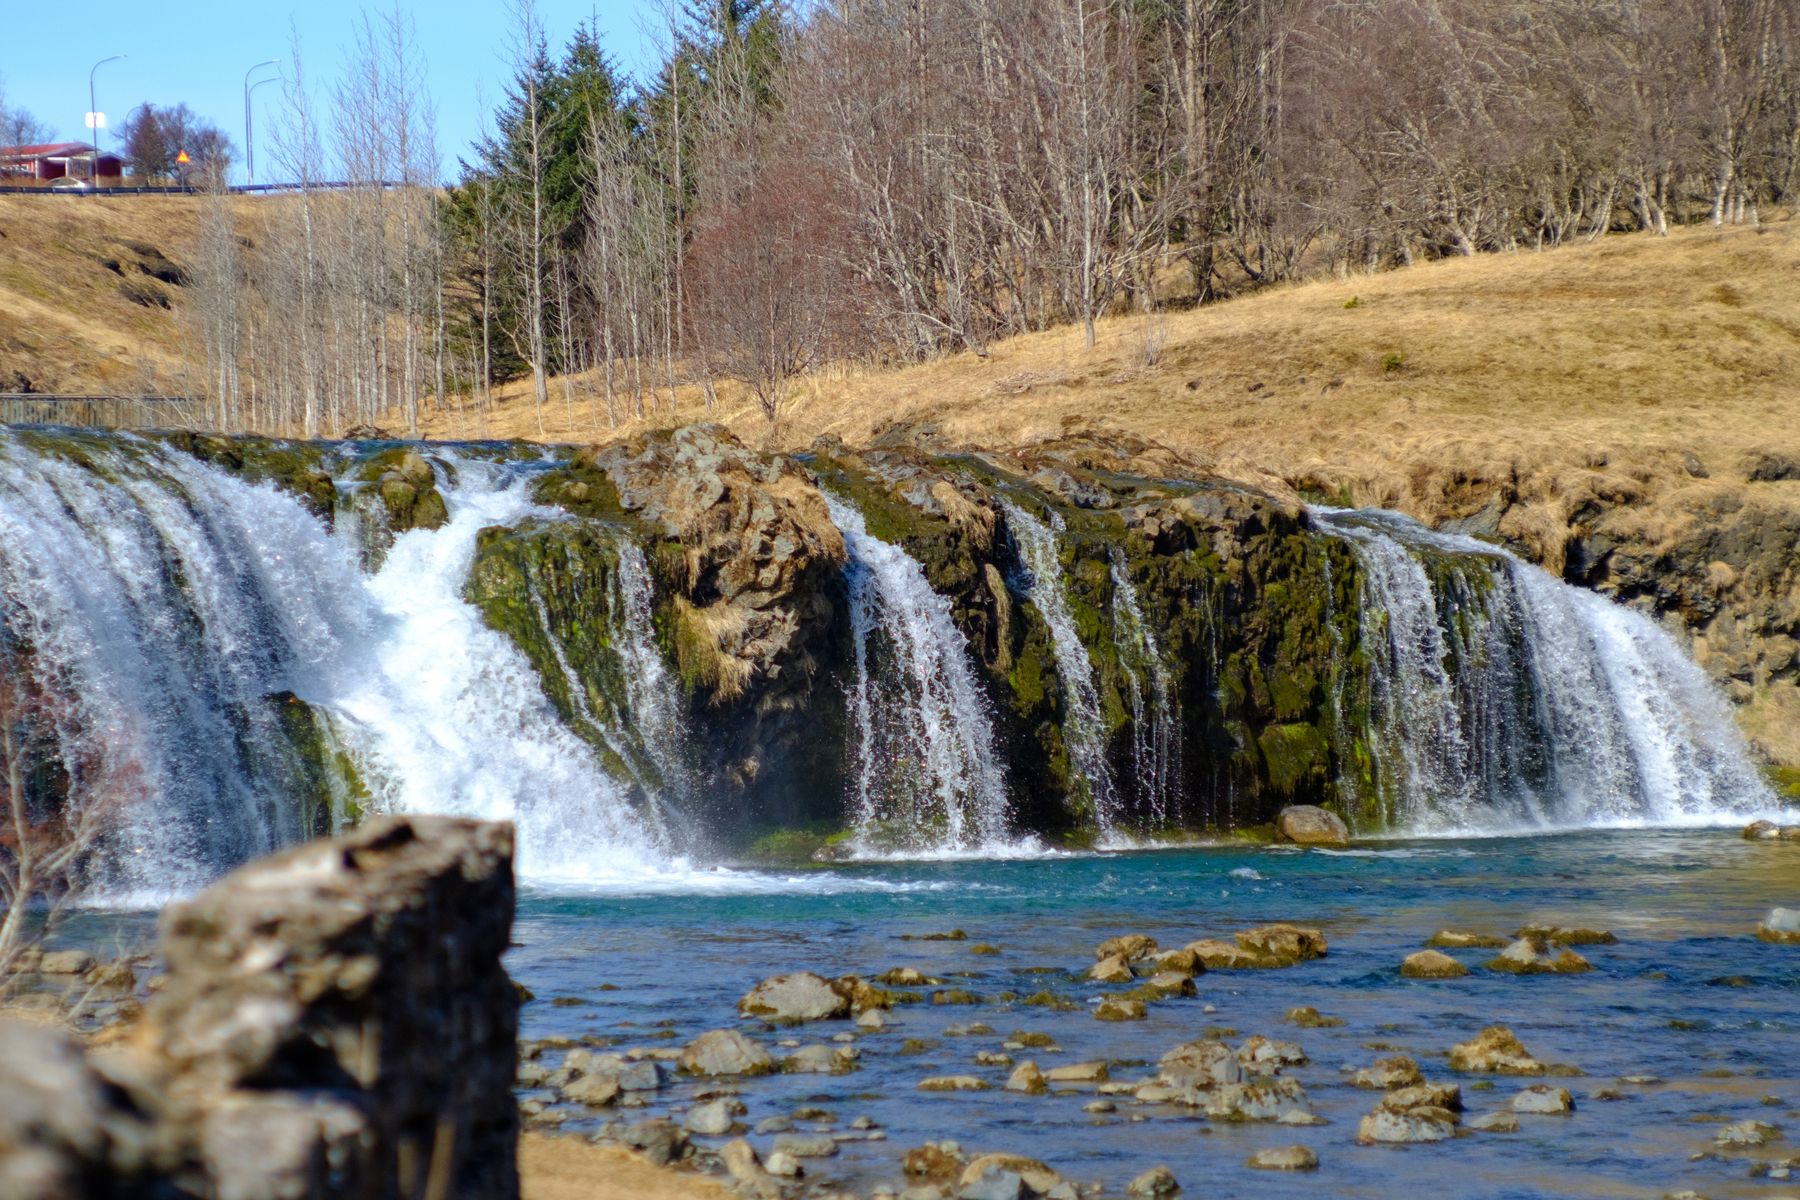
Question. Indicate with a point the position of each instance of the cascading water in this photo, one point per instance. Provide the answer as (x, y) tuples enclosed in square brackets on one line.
[(1155, 724), (167, 606), (926, 778), (1083, 729), (1501, 697)]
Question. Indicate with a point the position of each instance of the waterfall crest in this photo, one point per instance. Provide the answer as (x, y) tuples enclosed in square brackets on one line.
[(1084, 730), (924, 773), (1502, 698)]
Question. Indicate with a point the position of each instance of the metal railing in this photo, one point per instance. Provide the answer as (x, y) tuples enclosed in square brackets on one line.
[(175, 189), (103, 412)]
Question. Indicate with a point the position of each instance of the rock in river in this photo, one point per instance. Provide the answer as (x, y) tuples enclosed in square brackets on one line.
[(1432, 964), (725, 1052), (1494, 1051), (1034, 1174), (1543, 1100), (1158, 1183), (1389, 1073), (794, 998), (1285, 1158), (1310, 825), (1781, 925)]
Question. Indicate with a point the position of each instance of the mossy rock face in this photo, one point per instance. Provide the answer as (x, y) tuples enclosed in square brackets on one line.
[(406, 484), (327, 787), (301, 468)]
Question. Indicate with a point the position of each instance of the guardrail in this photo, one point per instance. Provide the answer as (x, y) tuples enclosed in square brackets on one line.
[(104, 412), (14, 189)]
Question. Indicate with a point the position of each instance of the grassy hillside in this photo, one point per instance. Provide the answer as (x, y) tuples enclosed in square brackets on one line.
[(82, 308)]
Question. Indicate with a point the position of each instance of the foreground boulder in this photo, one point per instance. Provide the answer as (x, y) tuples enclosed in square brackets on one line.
[(333, 1019), (1310, 825)]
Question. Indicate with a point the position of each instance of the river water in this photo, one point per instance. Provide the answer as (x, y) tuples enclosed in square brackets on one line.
[(1687, 995)]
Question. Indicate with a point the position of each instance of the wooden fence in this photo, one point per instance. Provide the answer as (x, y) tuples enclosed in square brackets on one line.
[(105, 412)]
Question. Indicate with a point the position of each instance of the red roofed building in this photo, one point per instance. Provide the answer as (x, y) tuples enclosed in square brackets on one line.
[(55, 160)]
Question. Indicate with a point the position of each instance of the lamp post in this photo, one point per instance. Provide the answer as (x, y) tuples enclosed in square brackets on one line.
[(249, 145), (250, 154), (94, 116)]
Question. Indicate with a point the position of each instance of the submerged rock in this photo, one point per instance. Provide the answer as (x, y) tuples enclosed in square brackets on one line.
[(1495, 1122), (1401, 1128), (1747, 1133), (1556, 935), (795, 998), (1530, 956), (1114, 1008), (1284, 1158), (1495, 1051), (1450, 939), (1200, 1065), (953, 1083), (1310, 825), (1432, 964), (1308, 1017)]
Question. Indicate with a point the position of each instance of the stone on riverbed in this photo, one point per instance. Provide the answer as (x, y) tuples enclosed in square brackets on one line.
[(1285, 1158), (1266, 1100), (1310, 825), (1114, 1008), (1389, 1073), (1283, 941), (725, 1052), (1265, 1056), (1227, 956), (1530, 956), (1495, 1122), (1432, 964), (1034, 1174), (794, 998), (1747, 1133), (1081, 1072), (1540, 1099), (817, 1059), (805, 1145), (1200, 1065), (594, 1091), (953, 1083), (1403, 1128), (1450, 939), (746, 1170), (1447, 1096), (1782, 925), (1130, 946), (1762, 831), (1028, 1079), (1112, 969), (1308, 1017), (1158, 1183), (1556, 935), (715, 1117), (1494, 1051)]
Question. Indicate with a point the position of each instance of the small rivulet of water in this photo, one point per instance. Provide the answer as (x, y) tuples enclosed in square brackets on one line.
[(1500, 697), (1155, 721), (167, 607), (1084, 731), (925, 775)]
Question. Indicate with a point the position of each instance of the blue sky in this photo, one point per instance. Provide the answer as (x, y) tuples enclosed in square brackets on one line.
[(196, 51)]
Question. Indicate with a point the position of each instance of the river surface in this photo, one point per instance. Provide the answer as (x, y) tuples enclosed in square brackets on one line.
[(1688, 996)]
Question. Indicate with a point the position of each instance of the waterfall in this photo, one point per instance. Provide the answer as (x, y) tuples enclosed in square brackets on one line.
[(166, 605), (1084, 731), (1501, 697), (925, 775), (1155, 724)]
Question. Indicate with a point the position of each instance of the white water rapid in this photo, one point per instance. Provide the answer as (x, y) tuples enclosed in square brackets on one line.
[(1502, 698), (165, 603), (925, 775)]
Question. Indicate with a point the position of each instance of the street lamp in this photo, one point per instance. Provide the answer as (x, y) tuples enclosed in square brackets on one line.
[(249, 145), (94, 116), (249, 154)]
